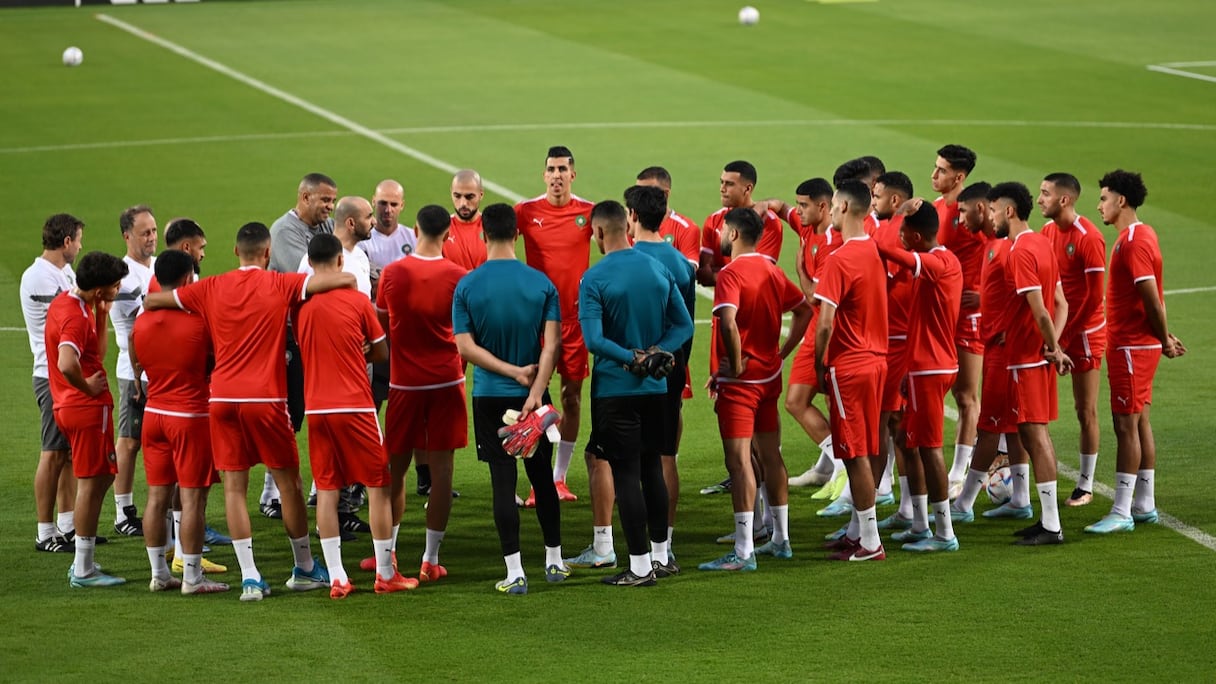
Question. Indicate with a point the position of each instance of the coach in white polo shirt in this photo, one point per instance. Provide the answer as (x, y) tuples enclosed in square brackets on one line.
[(390, 240)]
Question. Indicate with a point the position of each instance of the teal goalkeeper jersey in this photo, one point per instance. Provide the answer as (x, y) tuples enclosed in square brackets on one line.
[(504, 304), (681, 270), (628, 301)]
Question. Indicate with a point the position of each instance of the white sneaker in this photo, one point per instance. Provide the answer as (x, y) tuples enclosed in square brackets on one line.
[(811, 478), (206, 586), (170, 582)]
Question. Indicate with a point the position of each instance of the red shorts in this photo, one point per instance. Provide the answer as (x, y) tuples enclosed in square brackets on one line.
[(854, 409), (90, 433), (1034, 393), (997, 411), (244, 434), (802, 370), (967, 334), (1086, 351), (428, 420), (1130, 371), (745, 409), (572, 357), (177, 450), (926, 411), (897, 368), (346, 448)]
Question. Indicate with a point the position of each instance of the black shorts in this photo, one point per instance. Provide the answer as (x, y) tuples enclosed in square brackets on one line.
[(380, 382), (673, 401), (487, 419), (625, 427), (295, 382)]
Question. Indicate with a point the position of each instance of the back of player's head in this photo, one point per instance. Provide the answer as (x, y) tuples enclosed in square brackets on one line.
[(1016, 193), (649, 202), (98, 269), (815, 188), (857, 194), (348, 208), (923, 221), (560, 152), (747, 222), (324, 248), (173, 267), (252, 238), (1126, 183), (312, 181), (745, 170), (975, 191), (58, 229), (958, 157), (433, 220), (657, 174), (181, 229), (126, 220), (498, 223), (1066, 182), (877, 168), (609, 216), (854, 169), (897, 181)]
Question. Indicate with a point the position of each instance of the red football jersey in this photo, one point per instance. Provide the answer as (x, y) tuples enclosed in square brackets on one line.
[(832, 240), (72, 322), (683, 234), (465, 245), (794, 219), (996, 297), (760, 292), (967, 246), (332, 328), (870, 224), (172, 346), (557, 241), (1080, 252), (417, 295), (937, 293), (711, 237), (246, 314), (854, 281), (899, 280), (1136, 257), (1032, 266)]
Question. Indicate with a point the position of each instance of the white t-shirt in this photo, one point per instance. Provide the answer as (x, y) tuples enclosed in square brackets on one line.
[(353, 261), (126, 307), (40, 284), (383, 249)]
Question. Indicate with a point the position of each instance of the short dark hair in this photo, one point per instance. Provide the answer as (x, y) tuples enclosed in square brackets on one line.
[(1067, 181), (314, 180), (251, 238), (182, 229), (815, 188), (745, 170), (975, 191), (1126, 183), (324, 248), (896, 180), (875, 164), (649, 202), (655, 173), (924, 221), (172, 267), (98, 269), (958, 157), (59, 228), (747, 222), (853, 169), (498, 223), (433, 220), (858, 194), (1014, 192), (559, 151), (611, 212), (126, 220)]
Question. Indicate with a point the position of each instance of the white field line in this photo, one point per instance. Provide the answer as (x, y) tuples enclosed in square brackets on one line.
[(1161, 68), (370, 134), (111, 144), (1208, 63)]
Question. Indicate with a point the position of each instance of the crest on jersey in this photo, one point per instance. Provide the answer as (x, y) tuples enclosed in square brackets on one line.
[(580, 220), (954, 222), (407, 249), (669, 239), (991, 254), (814, 250), (1071, 249)]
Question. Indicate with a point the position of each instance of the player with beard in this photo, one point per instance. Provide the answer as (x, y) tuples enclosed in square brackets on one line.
[(466, 243)]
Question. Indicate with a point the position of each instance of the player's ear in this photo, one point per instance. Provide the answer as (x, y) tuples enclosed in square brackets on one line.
[(341, 261)]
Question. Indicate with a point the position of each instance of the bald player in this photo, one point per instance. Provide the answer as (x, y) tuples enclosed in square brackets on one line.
[(466, 244), (391, 240)]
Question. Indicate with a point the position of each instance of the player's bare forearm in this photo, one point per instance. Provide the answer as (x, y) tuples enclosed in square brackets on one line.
[(778, 206), (548, 360), (1154, 309), (379, 351), (482, 358), (324, 282), (160, 300), (1043, 320), (728, 334), (798, 325), (1060, 315), (823, 336), (898, 255)]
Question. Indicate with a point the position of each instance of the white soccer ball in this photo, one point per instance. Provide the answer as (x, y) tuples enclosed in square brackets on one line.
[(1000, 485), (749, 15), (72, 56)]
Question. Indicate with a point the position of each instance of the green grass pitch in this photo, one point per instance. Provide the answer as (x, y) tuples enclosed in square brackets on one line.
[(397, 88)]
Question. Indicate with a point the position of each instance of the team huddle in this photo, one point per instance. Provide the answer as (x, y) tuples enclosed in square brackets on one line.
[(336, 308)]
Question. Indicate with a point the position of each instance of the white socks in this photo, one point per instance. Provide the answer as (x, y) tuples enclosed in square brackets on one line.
[(658, 552), (303, 553), (1085, 480), (192, 567), (331, 548), (433, 539), (920, 513), (602, 540), (84, 556), (515, 566), (971, 489), (962, 462), (156, 559), (1125, 487), (905, 499), (1051, 507), (1020, 496), (121, 501), (244, 557), (553, 556), (867, 521), (943, 526), (744, 545), (561, 464), (383, 548), (270, 490), (45, 531), (66, 522), (781, 523), (1145, 499)]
